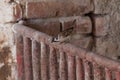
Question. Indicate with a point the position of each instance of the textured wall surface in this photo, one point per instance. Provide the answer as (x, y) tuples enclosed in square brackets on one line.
[(109, 44), (97, 21), (7, 53)]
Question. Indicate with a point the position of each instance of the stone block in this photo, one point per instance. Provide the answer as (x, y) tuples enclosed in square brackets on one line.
[(54, 8)]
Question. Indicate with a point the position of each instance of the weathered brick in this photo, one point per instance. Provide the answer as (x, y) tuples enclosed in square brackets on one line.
[(55, 8), (83, 25), (104, 6), (100, 27), (83, 42), (109, 8), (10, 12), (49, 27), (68, 24), (106, 47)]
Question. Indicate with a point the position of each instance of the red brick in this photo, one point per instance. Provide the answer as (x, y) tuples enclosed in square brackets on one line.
[(83, 25), (55, 8), (99, 26), (68, 24), (49, 27), (84, 42)]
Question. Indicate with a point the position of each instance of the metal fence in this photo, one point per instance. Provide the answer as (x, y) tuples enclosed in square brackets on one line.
[(39, 59)]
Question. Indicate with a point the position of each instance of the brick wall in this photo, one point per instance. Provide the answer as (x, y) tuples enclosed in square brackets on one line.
[(108, 41), (96, 22)]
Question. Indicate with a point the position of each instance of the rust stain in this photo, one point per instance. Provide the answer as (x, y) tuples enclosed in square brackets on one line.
[(1, 42), (4, 54), (3, 37), (5, 71)]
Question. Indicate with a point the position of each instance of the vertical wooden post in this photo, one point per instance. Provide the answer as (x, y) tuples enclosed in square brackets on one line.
[(36, 60), (79, 69), (108, 74), (28, 59), (20, 58), (44, 62), (88, 73), (63, 66), (98, 75), (71, 68), (53, 64), (117, 74)]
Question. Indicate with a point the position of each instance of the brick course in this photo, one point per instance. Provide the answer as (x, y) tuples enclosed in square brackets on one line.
[(53, 26), (83, 25), (100, 26), (110, 26), (50, 27), (54, 8)]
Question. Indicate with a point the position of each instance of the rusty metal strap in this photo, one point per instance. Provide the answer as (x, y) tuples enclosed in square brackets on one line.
[(68, 48)]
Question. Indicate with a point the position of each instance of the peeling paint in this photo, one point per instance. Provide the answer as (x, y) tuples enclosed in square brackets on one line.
[(4, 54), (5, 71), (5, 68), (1, 65)]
